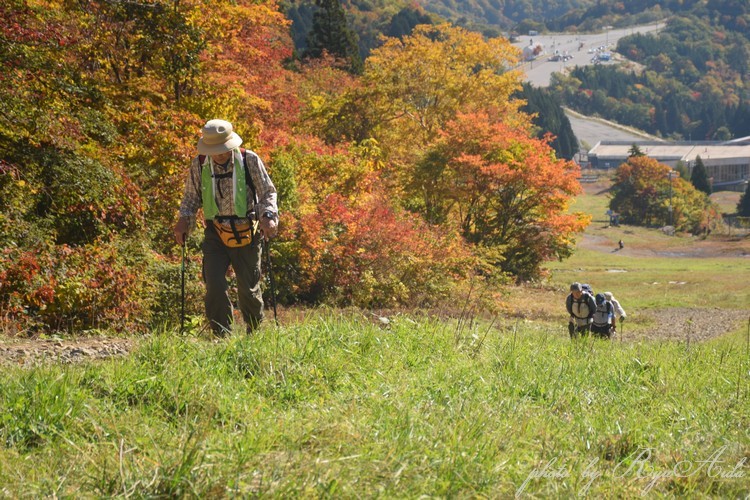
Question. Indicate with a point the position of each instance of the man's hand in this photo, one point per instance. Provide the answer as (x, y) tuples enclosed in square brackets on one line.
[(181, 230), (269, 227)]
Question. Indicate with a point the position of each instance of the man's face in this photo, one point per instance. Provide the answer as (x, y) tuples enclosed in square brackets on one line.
[(222, 158), (577, 294)]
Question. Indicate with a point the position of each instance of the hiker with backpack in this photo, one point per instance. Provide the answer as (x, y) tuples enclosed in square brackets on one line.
[(619, 311), (603, 321), (581, 307), (238, 199)]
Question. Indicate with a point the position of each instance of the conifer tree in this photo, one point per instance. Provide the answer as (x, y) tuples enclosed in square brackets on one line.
[(635, 151), (550, 117), (699, 177), (743, 207), (331, 33)]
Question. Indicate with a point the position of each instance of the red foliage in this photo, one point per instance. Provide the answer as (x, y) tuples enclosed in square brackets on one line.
[(372, 254), (26, 285), (71, 288)]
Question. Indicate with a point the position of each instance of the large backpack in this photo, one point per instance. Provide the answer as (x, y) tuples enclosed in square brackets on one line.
[(574, 306), (603, 313)]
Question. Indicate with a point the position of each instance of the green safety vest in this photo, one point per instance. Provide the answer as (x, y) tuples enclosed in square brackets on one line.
[(208, 187)]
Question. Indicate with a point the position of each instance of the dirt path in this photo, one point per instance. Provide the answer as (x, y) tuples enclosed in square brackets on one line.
[(686, 324), (699, 249), (675, 324), (32, 352)]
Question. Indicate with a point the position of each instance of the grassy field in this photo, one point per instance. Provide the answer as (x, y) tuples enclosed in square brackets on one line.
[(338, 405), (653, 271)]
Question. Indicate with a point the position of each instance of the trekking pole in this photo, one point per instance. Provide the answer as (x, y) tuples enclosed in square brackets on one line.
[(182, 315), (267, 249)]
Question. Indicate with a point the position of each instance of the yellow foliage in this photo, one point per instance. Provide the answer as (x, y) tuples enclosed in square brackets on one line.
[(418, 83)]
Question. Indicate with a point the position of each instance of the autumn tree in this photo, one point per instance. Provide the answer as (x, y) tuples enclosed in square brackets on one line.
[(432, 100), (102, 105), (506, 191), (349, 242), (132, 40), (699, 176), (412, 86), (644, 191)]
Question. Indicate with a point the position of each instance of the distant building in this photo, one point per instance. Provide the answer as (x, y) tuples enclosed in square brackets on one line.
[(727, 163)]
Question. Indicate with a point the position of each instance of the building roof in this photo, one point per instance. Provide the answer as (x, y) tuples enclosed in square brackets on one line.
[(739, 140), (672, 152)]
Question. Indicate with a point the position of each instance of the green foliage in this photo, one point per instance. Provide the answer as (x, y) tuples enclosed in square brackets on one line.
[(406, 20), (549, 117), (682, 168), (635, 151), (84, 198), (330, 33), (743, 207), (284, 170), (164, 293), (368, 21), (692, 82)]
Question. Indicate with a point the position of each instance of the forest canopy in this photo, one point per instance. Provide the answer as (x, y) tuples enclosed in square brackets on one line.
[(102, 107)]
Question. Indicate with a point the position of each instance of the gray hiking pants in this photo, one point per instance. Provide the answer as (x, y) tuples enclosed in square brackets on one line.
[(245, 262)]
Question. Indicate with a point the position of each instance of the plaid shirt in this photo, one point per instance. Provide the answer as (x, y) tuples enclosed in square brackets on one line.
[(264, 188)]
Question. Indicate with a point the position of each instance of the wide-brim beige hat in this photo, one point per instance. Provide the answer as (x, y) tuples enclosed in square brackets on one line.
[(218, 137)]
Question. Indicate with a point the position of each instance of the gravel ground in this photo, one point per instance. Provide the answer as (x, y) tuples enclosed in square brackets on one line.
[(682, 323), (34, 352)]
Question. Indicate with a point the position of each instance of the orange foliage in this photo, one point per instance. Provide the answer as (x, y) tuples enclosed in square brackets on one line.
[(645, 191), (371, 254), (250, 44), (507, 190)]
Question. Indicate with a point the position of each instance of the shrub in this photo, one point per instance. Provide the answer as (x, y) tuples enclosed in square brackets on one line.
[(374, 255), (104, 284)]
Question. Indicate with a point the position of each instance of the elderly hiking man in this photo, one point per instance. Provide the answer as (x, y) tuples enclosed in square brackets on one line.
[(581, 307), (232, 187)]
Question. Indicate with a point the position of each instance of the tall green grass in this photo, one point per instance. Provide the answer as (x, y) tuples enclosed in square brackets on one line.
[(339, 407)]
